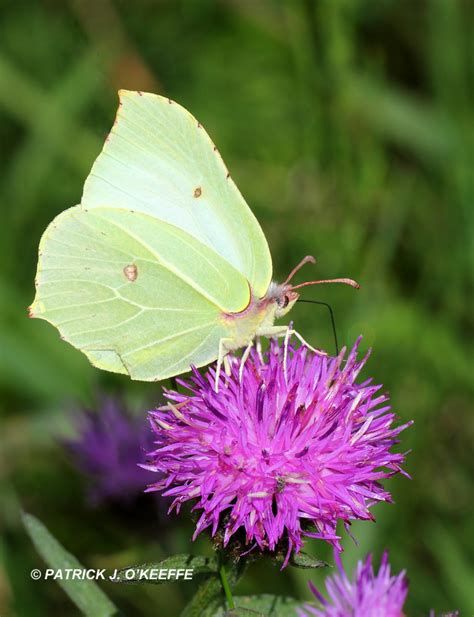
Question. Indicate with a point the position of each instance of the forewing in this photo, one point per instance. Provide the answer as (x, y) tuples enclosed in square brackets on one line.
[(136, 295), (159, 160)]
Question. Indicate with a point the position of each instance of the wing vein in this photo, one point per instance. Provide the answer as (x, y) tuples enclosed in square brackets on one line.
[(167, 338), (192, 352), (171, 268)]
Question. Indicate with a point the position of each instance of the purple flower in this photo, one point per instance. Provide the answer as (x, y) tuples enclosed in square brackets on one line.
[(366, 595), (108, 449), (280, 454)]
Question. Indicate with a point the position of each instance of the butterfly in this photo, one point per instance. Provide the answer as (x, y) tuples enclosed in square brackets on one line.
[(163, 265)]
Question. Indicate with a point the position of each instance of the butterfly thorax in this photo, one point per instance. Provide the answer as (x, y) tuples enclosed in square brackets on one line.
[(260, 314)]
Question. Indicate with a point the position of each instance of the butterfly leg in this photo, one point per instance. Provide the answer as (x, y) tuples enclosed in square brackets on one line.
[(221, 359), (287, 332), (227, 366), (276, 332), (285, 348), (243, 360), (273, 331), (302, 340), (259, 348)]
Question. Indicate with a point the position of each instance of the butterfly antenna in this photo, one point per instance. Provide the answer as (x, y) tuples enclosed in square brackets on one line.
[(312, 260), (333, 321), (308, 259), (343, 280)]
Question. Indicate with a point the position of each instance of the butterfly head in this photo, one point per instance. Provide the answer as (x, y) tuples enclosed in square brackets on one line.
[(285, 300), (285, 295), (279, 300)]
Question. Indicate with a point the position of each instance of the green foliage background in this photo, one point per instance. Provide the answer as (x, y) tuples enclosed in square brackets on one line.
[(348, 127)]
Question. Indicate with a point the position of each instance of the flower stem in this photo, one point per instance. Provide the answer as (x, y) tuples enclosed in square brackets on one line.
[(226, 587), (211, 593), (206, 601)]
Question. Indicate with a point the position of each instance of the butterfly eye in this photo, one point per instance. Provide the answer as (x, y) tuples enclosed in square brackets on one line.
[(283, 302)]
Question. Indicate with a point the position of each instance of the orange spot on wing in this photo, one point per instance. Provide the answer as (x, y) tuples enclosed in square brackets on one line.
[(131, 272)]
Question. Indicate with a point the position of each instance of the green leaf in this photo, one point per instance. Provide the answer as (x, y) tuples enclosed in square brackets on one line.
[(267, 605), (303, 560), (299, 560), (86, 595), (242, 612), (208, 598), (141, 574)]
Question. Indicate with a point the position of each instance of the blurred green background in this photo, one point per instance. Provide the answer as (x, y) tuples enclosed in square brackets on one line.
[(348, 127)]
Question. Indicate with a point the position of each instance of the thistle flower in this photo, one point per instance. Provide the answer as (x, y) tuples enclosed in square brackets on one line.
[(280, 453), (108, 449), (366, 595)]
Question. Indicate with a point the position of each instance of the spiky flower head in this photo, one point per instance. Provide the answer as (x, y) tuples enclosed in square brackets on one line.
[(366, 595), (109, 445), (286, 451)]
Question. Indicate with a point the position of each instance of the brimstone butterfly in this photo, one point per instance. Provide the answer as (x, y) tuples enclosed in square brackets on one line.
[(162, 265)]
